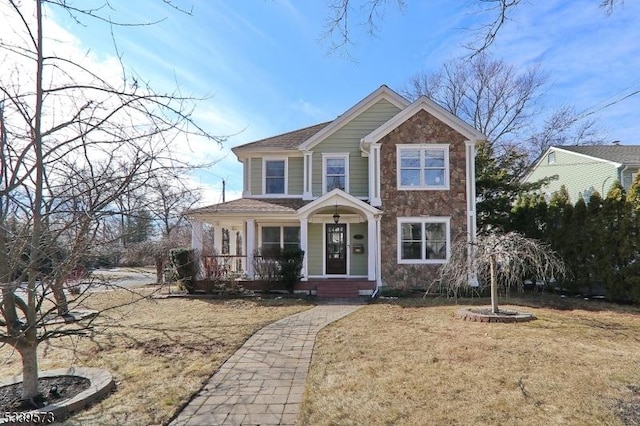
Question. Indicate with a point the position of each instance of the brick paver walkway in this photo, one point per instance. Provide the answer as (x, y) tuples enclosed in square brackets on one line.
[(263, 382)]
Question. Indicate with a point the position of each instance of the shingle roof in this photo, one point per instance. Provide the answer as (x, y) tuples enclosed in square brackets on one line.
[(623, 154), (289, 140), (253, 205)]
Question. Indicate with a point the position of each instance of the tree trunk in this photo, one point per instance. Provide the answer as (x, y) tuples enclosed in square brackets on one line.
[(494, 285), (58, 294), (28, 352), (159, 271)]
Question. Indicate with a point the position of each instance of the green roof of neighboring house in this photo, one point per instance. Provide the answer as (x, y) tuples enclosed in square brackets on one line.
[(623, 154)]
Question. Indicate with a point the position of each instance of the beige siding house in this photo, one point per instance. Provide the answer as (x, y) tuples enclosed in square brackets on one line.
[(374, 198)]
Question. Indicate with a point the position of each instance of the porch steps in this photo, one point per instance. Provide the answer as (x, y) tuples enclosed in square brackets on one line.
[(336, 289)]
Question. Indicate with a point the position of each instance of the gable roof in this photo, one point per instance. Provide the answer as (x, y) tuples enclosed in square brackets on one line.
[(426, 104), (382, 92), (290, 140), (621, 154)]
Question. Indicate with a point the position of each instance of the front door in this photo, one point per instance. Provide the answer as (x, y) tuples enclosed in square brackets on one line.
[(336, 249)]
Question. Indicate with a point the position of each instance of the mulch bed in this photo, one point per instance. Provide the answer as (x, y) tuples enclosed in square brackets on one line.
[(629, 408), (53, 389)]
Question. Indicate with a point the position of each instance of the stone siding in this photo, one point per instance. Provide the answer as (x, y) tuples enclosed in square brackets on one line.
[(422, 128)]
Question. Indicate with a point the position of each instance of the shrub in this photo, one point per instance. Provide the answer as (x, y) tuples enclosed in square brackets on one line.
[(183, 261), (290, 267)]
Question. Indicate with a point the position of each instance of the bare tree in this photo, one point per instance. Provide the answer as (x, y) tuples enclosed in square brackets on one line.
[(504, 104), (369, 13), (500, 260), (72, 141)]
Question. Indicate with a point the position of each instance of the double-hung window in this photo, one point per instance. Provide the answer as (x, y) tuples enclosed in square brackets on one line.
[(335, 172), (423, 166), (276, 238), (275, 172), (423, 240)]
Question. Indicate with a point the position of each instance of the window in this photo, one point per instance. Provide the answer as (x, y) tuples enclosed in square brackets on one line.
[(423, 240), (423, 166), (275, 176), (335, 172), (551, 158), (275, 238)]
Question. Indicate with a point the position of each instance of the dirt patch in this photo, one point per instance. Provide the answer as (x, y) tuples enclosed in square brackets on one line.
[(53, 390)]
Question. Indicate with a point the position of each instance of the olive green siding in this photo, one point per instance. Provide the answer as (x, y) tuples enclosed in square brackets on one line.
[(580, 174), (256, 175), (315, 250), (358, 261), (347, 140), (296, 165)]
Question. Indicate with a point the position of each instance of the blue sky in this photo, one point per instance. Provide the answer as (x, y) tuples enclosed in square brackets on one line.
[(266, 69)]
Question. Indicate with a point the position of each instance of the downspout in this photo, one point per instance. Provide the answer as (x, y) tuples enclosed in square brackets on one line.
[(620, 177)]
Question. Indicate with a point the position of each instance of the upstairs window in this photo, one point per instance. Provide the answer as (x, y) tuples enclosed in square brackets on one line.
[(275, 176), (551, 158), (335, 172), (423, 166)]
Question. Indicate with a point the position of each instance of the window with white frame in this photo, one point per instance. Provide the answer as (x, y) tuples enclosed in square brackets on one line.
[(275, 176), (335, 172), (423, 166), (276, 238), (551, 158), (423, 240)]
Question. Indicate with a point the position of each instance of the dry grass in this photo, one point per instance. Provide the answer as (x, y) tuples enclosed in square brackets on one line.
[(394, 364), (159, 351)]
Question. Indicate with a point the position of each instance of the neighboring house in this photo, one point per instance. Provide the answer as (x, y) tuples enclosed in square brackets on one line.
[(375, 197), (585, 169)]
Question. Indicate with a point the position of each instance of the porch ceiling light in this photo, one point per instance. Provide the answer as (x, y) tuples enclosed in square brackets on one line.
[(336, 216)]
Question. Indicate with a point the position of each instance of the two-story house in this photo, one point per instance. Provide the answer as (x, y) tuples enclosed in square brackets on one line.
[(375, 197)]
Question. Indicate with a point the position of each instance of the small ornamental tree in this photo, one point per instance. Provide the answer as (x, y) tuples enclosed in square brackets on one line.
[(501, 260)]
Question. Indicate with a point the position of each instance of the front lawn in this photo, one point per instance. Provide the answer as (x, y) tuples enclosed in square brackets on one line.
[(402, 363), (159, 351)]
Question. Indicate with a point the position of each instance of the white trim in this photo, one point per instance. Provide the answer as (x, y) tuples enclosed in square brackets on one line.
[(280, 225), (307, 181), (335, 156), (374, 176), (423, 220), (426, 104), (337, 197), (371, 249), (265, 159), (246, 177), (383, 92), (378, 253), (422, 148)]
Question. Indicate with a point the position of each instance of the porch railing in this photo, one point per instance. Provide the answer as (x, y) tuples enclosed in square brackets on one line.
[(224, 267)]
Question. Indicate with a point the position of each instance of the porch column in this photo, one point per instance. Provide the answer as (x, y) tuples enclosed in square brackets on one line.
[(372, 237), (251, 246), (196, 235), (303, 246), (217, 240), (378, 253)]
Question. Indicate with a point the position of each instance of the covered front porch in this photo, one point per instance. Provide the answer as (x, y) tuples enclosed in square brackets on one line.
[(338, 233)]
